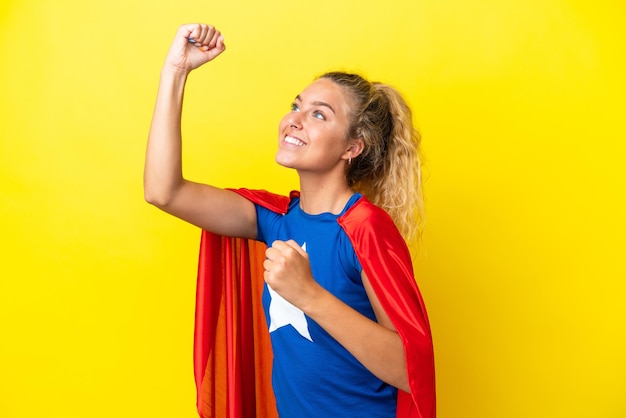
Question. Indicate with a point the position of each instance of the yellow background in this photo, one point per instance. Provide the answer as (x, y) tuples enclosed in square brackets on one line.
[(522, 108)]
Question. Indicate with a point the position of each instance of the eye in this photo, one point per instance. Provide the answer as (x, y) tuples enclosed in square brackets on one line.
[(319, 115), (294, 107)]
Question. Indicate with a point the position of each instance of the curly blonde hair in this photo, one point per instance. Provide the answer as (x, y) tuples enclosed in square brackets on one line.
[(389, 170)]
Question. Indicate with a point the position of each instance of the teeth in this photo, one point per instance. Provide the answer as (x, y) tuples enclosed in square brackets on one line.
[(293, 141)]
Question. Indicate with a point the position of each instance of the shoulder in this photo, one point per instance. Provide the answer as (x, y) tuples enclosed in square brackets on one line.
[(364, 215), (367, 223), (272, 201)]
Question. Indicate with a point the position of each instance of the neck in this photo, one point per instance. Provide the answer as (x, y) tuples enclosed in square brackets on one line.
[(323, 195)]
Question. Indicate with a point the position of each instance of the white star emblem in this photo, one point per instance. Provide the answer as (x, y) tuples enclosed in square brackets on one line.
[(283, 313)]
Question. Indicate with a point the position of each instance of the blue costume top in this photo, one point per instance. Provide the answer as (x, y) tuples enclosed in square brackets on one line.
[(313, 375)]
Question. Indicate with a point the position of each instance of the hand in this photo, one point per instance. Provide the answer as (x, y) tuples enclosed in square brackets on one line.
[(288, 272), (186, 56)]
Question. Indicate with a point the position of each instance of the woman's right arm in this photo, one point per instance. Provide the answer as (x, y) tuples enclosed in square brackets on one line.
[(217, 210)]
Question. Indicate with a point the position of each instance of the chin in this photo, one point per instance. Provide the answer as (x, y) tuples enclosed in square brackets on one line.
[(285, 162)]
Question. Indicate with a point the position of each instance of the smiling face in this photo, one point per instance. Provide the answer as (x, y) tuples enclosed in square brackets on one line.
[(313, 136)]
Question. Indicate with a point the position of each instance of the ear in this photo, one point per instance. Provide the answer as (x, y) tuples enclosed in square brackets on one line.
[(355, 148)]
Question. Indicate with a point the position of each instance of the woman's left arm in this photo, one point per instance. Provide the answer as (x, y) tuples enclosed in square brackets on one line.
[(376, 345)]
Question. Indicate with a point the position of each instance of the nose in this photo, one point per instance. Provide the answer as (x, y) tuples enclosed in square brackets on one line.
[(293, 119)]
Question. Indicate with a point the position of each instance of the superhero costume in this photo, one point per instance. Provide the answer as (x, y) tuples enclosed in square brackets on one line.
[(313, 375), (232, 355)]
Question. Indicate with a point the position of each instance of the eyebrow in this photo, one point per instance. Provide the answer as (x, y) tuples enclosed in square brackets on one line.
[(318, 103)]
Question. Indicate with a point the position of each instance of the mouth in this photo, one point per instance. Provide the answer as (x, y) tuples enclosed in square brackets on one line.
[(294, 141)]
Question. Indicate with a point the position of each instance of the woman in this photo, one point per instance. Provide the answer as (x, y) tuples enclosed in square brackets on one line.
[(348, 327)]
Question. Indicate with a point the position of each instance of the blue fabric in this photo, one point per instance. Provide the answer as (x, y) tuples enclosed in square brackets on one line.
[(320, 378)]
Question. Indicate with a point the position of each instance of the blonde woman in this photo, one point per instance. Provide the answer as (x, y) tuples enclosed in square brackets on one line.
[(349, 331)]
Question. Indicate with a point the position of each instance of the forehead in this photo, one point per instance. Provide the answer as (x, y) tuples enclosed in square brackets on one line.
[(325, 90)]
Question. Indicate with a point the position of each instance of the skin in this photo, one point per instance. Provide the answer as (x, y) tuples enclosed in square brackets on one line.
[(312, 139)]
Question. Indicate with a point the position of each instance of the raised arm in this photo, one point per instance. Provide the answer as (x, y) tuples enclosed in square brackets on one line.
[(211, 208)]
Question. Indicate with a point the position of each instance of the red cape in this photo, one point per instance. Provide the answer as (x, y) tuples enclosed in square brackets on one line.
[(232, 352)]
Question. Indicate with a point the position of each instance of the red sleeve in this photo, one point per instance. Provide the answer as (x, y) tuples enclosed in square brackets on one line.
[(274, 202), (386, 261)]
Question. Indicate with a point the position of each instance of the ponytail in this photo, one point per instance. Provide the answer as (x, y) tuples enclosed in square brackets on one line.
[(388, 171)]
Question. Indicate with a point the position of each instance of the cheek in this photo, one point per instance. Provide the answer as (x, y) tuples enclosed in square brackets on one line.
[(284, 122), (335, 135)]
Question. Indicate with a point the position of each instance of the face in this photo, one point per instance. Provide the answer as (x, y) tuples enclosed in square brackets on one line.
[(313, 135)]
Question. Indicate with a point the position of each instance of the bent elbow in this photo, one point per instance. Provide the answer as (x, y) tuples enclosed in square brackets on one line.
[(401, 378), (149, 198), (403, 384), (158, 199)]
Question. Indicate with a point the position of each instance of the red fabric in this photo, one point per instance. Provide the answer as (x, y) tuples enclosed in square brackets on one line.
[(228, 308), (232, 351), (386, 261)]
